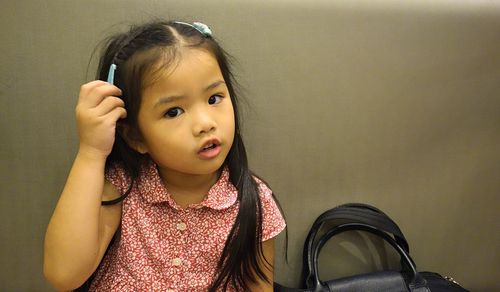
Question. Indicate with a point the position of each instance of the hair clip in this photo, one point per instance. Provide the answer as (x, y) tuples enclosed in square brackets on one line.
[(111, 73), (201, 27)]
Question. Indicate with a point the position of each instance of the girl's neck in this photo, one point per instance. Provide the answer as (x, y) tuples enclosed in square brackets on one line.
[(187, 189)]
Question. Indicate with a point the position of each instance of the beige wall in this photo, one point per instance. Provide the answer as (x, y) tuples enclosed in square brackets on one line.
[(397, 105)]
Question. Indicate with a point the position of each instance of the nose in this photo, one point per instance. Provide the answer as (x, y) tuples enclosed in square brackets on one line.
[(203, 123)]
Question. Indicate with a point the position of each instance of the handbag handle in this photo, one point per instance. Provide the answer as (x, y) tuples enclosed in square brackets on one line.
[(350, 213), (416, 281)]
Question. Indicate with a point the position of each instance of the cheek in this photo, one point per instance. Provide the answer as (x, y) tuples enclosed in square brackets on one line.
[(164, 138), (233, 125), (230, 121)]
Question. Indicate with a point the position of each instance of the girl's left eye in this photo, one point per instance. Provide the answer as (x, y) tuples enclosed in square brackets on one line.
[(214, 99)]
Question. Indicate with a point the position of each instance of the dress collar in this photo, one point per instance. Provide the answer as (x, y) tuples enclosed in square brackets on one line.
[(223, 194)]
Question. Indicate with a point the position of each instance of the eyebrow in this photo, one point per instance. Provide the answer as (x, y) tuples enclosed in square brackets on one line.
[(173, 98), (214, 85)]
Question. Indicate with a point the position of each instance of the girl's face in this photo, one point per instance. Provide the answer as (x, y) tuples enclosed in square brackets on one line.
[(186, 117)]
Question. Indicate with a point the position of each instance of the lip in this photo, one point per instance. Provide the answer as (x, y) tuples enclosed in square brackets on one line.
[(210, 152)]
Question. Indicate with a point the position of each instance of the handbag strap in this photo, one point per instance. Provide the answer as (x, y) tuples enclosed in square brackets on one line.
[(416, 282), (345, 214)]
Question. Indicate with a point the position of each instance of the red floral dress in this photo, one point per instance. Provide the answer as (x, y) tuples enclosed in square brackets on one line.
[(164, 247)]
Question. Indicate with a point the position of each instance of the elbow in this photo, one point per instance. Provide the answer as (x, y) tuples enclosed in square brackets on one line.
[(61, 280)]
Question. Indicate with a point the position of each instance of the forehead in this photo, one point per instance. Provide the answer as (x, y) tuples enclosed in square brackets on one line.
[(186, 66)]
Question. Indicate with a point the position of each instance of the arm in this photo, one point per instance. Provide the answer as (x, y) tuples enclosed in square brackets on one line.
[(262, 285), (80, 228)]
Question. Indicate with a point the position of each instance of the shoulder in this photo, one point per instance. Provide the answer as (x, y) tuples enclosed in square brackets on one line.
[(273, 221), (115, 169), (116, 175), (264, 189)]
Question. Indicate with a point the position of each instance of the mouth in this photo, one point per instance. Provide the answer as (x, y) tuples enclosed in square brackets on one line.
[(210, 149), (209, 146)]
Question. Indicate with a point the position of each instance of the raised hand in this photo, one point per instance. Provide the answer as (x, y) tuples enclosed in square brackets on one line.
[(97, 113)]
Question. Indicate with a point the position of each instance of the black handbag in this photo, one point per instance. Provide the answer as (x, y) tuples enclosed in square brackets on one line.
[(363, 217)]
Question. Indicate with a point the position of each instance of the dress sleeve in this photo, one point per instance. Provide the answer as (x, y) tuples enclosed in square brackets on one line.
[(118, 177), (272, 219)]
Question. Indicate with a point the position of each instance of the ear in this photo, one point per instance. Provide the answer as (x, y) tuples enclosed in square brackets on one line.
[(132, 137)]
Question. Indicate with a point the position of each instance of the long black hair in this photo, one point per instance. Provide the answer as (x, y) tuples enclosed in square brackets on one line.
[(136, 53)]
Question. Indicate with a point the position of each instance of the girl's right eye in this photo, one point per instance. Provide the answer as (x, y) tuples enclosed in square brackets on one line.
[(174, 112)]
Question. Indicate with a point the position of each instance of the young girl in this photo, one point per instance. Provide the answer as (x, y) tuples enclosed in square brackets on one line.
[(160, 146)]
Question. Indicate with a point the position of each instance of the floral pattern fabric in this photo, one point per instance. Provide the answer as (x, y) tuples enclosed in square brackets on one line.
[(163, 247)]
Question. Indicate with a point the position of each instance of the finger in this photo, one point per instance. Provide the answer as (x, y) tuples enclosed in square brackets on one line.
[(100, 92), (116, 114), (85, 88), (108, 104), (91, 94)]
